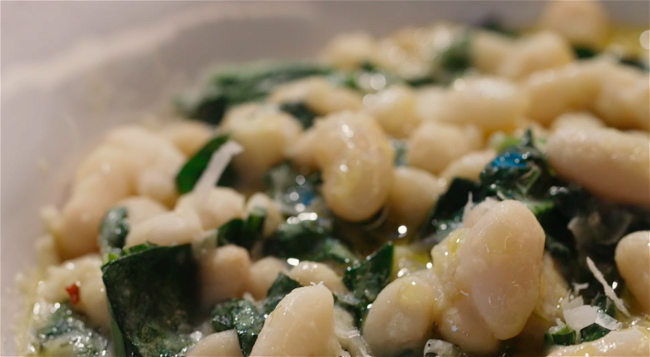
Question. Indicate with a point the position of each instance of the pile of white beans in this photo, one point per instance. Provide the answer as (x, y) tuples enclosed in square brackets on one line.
[(489, 280)]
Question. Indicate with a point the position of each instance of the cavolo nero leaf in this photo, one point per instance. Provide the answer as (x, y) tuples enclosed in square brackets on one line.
[(244, 233), (366, 279), (246, 318), (153, 296), (191, 172), (113, 232), (291, 189), (67, 333), (300, 111), (232, 87)]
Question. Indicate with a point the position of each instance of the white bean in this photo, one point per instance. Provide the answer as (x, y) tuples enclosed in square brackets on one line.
[(633, 341), (501, 266), (188, 136), (623, 100), (224, 272), (544, 50), (169, 228), (220, 344), (265, 133), (319, 95), (583, 23), (273, 216), (158, 161), (357, 163), (218, 207), (395, 109), (610, 163), (350, 50), (576, 120), (141, 208), (490, 50), (555, 91), (86, 273), (401, 317), (461, 324), (262, 274), (490, 103), (412, 195), (553, 290), (310, 273), (434, 145), (468, 166), (301, 325), (429, 100), (472, 216), (632, 260)]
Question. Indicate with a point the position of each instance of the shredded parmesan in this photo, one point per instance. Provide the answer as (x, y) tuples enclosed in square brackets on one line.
[(608, 322), (608, 289), (217, 165), (581, 316)]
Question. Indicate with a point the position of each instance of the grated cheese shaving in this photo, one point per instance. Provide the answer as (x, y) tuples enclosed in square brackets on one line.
[(581, 316), (216, 166), (608, 289)]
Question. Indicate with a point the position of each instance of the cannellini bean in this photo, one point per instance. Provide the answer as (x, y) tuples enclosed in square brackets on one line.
[(462, 325), (633, 341), (220, 344), (610, 163), (169, 228), (356, 160), (555, 91), (86, 273), (262, 274), (401, 317), (472, 216), (501, 266), (583, 23), (319, 95), (553, 290), (489, 50), (104, 159), (265, 133), (218, 207), (632, 260), (188, 136), (158, 161), (76, 229), (576, 120), (310, 273), (273, 216), (624, 97), (490, 103), (544, 50), (468, 166), (301, 325), (224, 272), (141, 208), (348, 51), (395, 109), (412, 195), (429, 100), (434, 145)]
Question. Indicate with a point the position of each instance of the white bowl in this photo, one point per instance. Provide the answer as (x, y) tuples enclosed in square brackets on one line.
[(71, 70)]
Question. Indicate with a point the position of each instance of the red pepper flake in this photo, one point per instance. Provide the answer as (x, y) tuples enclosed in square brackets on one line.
[(73, 291)]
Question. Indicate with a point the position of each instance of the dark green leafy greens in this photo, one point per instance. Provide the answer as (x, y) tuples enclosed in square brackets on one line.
[(67, 333), (191, 172), (113, 232), (365, 280), (153, 296), (577, 225), (292, 190), (300, 111), (246, 318), (243, 232), (561, 336), (234, 87)]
